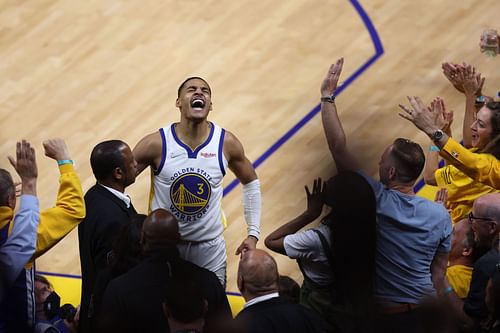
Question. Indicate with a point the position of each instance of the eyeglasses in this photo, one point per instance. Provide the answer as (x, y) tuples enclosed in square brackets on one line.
[(471, 218)]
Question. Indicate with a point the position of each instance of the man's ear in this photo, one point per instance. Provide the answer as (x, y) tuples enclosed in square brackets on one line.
[(240, 283), (177, 103), (467, 251), (392, 173), (493, 229), (118, 173)]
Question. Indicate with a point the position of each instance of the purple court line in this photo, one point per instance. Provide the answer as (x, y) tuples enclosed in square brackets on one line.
[(379, 51)]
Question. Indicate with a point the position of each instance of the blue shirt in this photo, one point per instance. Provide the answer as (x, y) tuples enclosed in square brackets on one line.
[(410, 230), (20, 245)]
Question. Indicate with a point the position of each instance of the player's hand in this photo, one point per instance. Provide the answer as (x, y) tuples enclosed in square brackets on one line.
[(250, 243)]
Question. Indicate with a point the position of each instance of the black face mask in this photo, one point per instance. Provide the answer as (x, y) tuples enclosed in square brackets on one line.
[(51, 305)]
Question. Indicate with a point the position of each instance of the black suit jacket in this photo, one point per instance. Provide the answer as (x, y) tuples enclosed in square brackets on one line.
[(278, 315), (105, 215), (133, 301)]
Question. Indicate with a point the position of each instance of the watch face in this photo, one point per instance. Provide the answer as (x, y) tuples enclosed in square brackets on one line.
[(438, 135)]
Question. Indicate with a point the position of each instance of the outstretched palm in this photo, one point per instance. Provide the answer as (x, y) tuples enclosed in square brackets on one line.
[(332, 78)]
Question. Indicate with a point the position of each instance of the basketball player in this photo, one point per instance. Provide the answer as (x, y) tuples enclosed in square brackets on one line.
[(188, 160)]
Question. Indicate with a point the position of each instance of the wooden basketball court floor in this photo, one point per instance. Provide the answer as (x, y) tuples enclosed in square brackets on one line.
[(93, 70)]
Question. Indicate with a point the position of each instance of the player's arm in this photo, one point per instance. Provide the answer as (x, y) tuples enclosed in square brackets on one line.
[(332, 126), (240, 165), (148, 152)]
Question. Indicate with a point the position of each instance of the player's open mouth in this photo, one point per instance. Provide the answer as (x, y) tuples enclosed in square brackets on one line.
[(197, 103)]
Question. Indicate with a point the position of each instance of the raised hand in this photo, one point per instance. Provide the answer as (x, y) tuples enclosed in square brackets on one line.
[(25, 166), (332, 78), (56, 149), (442, 117), (450, 70), (471, 81), (419, 115), (315, 199)]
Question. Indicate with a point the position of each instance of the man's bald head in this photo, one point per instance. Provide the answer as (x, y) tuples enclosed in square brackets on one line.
[(160, 230), (257, 274), (488, 206), (486, 220)]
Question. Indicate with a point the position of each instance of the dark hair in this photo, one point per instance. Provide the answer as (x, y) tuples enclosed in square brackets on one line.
[(353, 238), (289, 289), (106, 157), (409, 159), (493, 147), (184, 297), (7, 188), (43, 279), (127, 250), (192, 78)]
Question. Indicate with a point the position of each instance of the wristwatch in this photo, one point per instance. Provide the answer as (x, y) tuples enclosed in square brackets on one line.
[(329, 99), (480, 100), (437, 135)]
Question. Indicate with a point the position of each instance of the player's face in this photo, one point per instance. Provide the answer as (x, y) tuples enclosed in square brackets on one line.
[(481, 128), (194, 100)]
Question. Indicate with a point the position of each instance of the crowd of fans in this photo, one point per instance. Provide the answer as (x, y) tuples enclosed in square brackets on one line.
[(381, 259)]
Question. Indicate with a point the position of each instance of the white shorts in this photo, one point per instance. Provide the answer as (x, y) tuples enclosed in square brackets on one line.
[(210, 255)]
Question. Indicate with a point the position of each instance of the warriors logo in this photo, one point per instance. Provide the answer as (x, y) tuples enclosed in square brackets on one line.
[(190, 193)]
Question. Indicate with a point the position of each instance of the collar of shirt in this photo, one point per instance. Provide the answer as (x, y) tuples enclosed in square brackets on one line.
[(261, 299), (122, 196)]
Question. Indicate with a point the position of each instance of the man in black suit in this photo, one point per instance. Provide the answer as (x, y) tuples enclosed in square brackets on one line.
[(133, 302), (265, 311), (108, 208)]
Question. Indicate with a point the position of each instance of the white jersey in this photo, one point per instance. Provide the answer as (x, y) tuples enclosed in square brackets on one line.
[(189, 184)]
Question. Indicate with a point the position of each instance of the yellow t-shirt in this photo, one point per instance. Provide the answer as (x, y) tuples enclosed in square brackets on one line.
[(462, 190), (459, 277)]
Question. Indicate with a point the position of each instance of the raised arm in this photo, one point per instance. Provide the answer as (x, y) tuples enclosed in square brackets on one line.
[(332, 126), (472, 83), (242, 168), (20, 245), (443, 119), (275, 240), (69, 211), (148, 152), (465, 79)]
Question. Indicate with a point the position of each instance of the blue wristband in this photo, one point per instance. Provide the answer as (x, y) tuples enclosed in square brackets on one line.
[(447, 290), (62, 162), (433, 148)]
